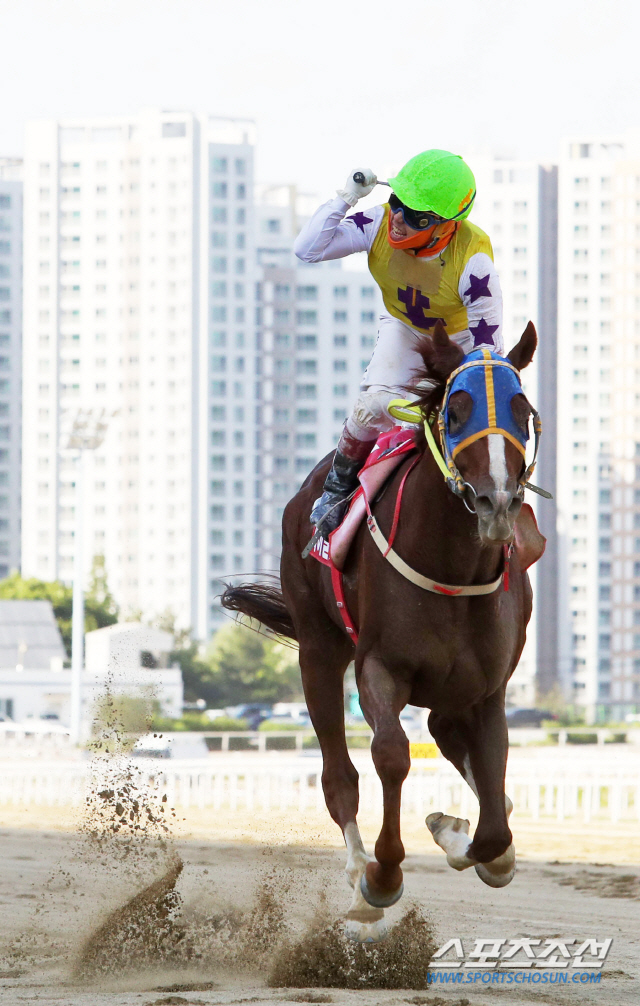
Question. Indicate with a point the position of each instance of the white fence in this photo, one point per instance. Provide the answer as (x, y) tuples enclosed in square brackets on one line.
[(541, 790)]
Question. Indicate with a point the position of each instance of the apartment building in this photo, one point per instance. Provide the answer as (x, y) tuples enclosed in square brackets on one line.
[(10, 361), (599, 422), (139, 305)]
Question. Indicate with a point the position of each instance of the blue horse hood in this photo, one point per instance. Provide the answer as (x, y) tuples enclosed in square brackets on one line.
[(491, 381)]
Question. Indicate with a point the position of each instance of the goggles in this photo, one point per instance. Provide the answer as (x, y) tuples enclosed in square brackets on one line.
[(418, 220)]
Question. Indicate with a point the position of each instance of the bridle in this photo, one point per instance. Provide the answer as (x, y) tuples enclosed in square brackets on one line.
[(445, 457), (455, 481)]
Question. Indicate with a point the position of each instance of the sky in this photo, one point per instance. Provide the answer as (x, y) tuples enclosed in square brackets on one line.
[(333, 85)]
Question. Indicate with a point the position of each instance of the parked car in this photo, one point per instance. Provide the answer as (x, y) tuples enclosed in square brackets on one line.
[(253, 712), (152, 746), (528, 717)]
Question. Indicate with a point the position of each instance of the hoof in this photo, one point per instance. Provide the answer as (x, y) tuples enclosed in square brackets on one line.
[(379, 900), (366, 932), (494, 879), (432, 820)]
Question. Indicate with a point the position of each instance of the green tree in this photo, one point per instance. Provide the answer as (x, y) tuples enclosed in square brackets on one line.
[(240, 666), (98, 610)]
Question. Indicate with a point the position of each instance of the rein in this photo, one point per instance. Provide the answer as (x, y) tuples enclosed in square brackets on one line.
[(398, 563)]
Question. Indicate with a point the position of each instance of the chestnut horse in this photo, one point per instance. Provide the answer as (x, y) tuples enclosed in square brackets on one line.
[(451, 654)]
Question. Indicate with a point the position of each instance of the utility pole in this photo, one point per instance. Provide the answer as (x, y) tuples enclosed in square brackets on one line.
[(87, 433)]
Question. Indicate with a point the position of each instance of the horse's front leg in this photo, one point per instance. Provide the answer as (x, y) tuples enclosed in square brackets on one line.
[(382, 698), (322, 676), (479, 747)]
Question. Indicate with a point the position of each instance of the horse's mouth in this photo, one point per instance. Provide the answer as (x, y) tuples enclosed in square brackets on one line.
[(497, 518)]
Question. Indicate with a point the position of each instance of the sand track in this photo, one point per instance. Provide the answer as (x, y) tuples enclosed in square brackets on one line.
[(55, 894)]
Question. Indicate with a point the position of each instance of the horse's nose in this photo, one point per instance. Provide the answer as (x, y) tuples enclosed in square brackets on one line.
[(497, 512)]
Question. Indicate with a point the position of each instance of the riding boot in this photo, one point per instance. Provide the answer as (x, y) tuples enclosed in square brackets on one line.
[(340, 482)]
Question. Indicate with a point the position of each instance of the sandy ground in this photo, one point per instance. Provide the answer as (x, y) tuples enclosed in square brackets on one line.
[(58, 885)]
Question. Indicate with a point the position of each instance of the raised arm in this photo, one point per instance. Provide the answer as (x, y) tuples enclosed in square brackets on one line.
[(327, 235)]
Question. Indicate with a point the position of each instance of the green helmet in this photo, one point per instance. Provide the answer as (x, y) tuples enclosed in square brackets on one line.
[(438, 181)]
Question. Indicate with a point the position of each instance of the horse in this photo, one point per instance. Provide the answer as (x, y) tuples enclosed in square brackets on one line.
[(450, 653)]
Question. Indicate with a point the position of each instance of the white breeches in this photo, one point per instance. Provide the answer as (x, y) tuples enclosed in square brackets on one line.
[(392, 367)]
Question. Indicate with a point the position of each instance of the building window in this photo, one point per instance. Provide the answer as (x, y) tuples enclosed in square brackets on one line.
[(306, 366), (219, 165), (306, 416), (307, 293), (219, 190), (307, 317), (307, 341), (306, 390), (306, 440)]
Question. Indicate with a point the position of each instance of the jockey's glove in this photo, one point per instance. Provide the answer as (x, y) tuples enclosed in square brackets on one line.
[(353, 191)]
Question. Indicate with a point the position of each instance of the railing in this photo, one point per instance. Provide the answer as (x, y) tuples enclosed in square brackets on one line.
[(267, 740), (541, 791)]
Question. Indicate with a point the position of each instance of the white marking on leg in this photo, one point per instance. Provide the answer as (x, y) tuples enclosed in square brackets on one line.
[(357, 858), (497, 461), (364, 923), (452, 835)]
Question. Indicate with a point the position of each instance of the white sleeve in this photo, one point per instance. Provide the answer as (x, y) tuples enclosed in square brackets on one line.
[(327, 235), (480, 292)]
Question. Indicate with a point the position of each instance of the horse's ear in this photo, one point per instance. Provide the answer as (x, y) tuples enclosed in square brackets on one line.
[(522, 353), (441, 356)]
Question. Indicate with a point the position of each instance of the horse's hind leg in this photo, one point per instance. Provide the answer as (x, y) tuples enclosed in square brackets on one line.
[(323, 668), (383, 697), (489, 742)]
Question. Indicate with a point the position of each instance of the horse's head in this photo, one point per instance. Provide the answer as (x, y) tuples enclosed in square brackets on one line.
[(484, 426)]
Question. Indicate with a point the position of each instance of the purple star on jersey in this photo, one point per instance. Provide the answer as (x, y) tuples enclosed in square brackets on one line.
[(478, 287), (482, 333), (359, 219)]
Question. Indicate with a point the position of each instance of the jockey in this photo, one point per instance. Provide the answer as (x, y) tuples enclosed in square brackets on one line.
[(430, 262)]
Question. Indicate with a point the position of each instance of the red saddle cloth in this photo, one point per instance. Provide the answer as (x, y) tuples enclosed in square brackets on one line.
[(389, 451)]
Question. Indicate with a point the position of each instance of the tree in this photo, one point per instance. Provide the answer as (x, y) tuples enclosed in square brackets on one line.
[(98, 610), (241, 666)]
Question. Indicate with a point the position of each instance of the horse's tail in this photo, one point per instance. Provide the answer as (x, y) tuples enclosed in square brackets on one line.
[(262, 601)]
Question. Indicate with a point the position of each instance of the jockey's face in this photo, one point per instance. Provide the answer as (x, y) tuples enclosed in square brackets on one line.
[(399, 229)]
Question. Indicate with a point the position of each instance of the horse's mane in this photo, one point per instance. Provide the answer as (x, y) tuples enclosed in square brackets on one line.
[(438, 360)]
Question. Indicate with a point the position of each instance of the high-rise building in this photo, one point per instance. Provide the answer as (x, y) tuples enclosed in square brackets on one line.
[(599, 422), (139, 286), (10, 361)]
